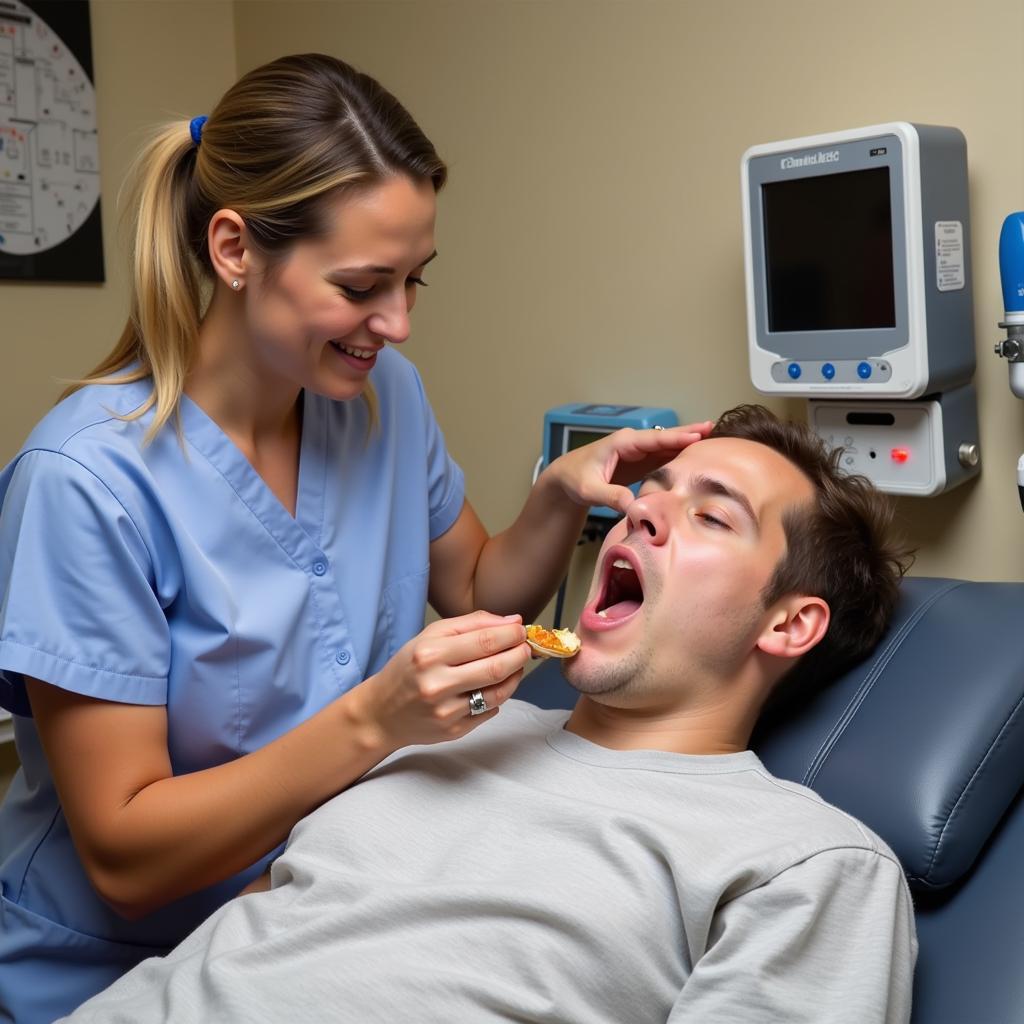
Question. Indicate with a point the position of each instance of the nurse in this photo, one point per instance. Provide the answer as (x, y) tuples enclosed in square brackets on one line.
[(216, 552)]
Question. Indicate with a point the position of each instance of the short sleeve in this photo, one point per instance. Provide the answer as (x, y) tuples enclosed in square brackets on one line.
[(78, 607), (446, 481), (828, 941)]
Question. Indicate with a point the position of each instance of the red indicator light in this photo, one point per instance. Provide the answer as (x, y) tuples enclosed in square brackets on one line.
[(900, 454)]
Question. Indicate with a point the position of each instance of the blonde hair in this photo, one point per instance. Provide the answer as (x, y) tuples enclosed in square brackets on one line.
[(285, 139)]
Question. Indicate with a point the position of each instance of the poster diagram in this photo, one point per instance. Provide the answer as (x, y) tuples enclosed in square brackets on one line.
[(49, 156)]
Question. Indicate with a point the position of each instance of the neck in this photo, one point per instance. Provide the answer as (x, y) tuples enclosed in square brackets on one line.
[(251, 403), (720, 728)]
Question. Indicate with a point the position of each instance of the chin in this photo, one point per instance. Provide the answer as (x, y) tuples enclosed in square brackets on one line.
[(339, 390), (576, 674), (589, 673)]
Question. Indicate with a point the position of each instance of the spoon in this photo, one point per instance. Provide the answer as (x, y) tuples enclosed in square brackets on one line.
[(564, 643)]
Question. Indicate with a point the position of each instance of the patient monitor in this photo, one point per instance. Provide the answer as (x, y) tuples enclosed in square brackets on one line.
[(858, 287), (857, 263)]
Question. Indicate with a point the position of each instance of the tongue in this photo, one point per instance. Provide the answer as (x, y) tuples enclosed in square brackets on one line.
[(621, 610)]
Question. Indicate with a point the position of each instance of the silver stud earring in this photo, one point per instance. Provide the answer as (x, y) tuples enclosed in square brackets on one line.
[(236, 284)]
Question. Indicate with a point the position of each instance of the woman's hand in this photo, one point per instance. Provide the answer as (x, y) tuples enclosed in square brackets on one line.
[(597, 473), (422, 694)]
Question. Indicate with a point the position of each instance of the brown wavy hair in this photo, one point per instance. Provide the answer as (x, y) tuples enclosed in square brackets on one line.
[(284, 140), (841, 548)]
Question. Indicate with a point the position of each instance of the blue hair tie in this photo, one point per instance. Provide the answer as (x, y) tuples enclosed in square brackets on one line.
[(195, 128)]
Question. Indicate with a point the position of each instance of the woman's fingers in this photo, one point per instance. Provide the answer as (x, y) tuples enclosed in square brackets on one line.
[(643, 442), (460, 704), (490, 672), (612, 495), (469, 647), (471, 622), (637, 445), (597, 474)]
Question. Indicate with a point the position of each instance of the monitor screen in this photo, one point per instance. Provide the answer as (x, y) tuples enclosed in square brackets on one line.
[(828, 252), (578, 438)]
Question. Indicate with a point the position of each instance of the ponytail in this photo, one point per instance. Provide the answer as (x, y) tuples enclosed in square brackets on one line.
[(161, 335)]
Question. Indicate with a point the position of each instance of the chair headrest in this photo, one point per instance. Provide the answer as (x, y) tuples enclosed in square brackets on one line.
[(924, 741)]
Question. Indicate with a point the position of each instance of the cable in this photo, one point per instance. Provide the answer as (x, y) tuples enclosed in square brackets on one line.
[(595, 529)]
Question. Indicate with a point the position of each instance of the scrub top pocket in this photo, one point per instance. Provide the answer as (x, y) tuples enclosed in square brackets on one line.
[(400, 617)]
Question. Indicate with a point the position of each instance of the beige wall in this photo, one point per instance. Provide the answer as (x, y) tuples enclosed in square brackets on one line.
[(154, 60), (590, 236)]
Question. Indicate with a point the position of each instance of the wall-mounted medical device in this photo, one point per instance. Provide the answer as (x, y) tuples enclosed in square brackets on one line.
[(911, 447), (858, 267), (1011, 348), (1011, 274), (858, 286), (567, 427)]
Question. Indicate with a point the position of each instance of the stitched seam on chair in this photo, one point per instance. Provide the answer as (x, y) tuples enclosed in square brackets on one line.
[(989, 753), (881, 661)]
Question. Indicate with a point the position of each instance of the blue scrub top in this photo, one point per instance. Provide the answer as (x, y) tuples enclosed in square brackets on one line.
[(170, 574)]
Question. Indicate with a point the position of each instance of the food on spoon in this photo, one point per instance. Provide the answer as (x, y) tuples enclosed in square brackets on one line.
[(561, 643)]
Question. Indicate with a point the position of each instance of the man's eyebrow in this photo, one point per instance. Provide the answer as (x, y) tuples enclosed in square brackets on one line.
[(703, 484), (372, 268)]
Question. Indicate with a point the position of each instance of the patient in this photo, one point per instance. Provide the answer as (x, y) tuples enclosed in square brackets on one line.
[(632, 860)]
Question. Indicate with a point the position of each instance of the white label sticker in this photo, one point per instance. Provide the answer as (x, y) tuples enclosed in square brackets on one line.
[(949, 255)]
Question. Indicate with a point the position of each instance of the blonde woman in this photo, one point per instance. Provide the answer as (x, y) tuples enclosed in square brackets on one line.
[(216, 552)]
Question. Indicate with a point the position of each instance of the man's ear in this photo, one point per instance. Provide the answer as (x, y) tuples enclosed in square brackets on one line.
[(795, 625), (229, 252)]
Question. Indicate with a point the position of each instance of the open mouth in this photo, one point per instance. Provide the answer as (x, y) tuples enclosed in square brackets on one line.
[(622, 593), (362, 354)]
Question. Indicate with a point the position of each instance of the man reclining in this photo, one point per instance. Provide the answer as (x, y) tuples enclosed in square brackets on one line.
[(632, 860)]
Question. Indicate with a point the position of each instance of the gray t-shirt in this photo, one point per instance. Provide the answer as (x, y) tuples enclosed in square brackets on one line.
[(525, 874)]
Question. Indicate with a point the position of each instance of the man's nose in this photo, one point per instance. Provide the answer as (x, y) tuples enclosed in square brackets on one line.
[(648, 515)]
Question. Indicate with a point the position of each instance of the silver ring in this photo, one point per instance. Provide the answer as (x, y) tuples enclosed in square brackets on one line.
[(658, 426), (477, 704)]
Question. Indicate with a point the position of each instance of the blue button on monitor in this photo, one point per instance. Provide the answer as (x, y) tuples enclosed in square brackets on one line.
[(828, 371), (863, 370), (794, 371)]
